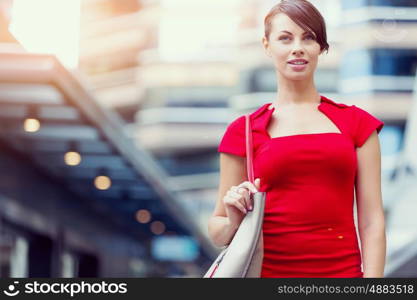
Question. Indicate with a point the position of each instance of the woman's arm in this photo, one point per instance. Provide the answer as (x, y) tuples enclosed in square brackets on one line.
[(371, 220), (232, 172)]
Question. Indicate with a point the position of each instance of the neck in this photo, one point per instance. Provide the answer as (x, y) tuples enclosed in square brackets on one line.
[(296, 92)]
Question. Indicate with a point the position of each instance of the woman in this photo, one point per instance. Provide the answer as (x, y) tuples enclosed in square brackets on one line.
[(310, 153)]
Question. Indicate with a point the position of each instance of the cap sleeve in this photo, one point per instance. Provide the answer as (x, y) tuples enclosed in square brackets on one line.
[(365, 124), (233, 140)]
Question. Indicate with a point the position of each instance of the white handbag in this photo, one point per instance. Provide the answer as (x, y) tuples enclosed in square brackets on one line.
[(243, 256)]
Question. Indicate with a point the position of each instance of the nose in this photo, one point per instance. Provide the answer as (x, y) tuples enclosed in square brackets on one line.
[(297, 52), (298, 49)]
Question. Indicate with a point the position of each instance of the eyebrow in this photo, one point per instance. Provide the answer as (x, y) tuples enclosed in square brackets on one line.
[(291, 33)]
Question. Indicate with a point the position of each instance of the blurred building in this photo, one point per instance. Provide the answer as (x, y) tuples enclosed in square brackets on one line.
[(378, 71), (112, 34), (77, 197)]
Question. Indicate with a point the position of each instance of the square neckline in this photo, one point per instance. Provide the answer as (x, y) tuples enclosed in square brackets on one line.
[(271, 110)]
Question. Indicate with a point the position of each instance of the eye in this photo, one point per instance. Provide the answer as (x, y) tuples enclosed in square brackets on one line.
[(283, 37), (309, 36)]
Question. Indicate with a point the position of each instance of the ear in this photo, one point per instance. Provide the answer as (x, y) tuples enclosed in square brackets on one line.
[(266, 46)]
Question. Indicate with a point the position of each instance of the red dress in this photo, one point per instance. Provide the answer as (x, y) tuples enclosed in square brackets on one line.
[(309, 180)]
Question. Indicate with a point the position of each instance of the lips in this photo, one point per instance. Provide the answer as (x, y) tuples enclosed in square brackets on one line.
[(298, 61)]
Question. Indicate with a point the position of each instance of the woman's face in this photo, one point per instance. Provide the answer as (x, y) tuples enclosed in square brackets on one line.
[(288, 41)]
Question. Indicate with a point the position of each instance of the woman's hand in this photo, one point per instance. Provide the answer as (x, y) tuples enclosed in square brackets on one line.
[(237, 200)]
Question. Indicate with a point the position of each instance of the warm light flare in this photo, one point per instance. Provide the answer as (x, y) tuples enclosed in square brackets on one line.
[(157, 227), (143, 216), (31, 125), (102, 182), (72, 158), (48, 26)]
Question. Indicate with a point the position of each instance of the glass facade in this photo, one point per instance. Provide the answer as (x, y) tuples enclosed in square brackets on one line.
[(352, 4), (379, 61)]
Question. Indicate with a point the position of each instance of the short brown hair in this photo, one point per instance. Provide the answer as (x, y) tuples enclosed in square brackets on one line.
[(304, 14)]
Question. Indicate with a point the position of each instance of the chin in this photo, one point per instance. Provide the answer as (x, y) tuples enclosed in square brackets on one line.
[(297, 76)]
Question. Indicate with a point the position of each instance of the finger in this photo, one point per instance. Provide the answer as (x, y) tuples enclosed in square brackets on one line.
[(241, 198), (258, 183), (237, 196), (250, 205), (240, 206), (253, 189), (238, 189), (244, 191), (248, 196), (233, 194), (249, 185), (235, 203)]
